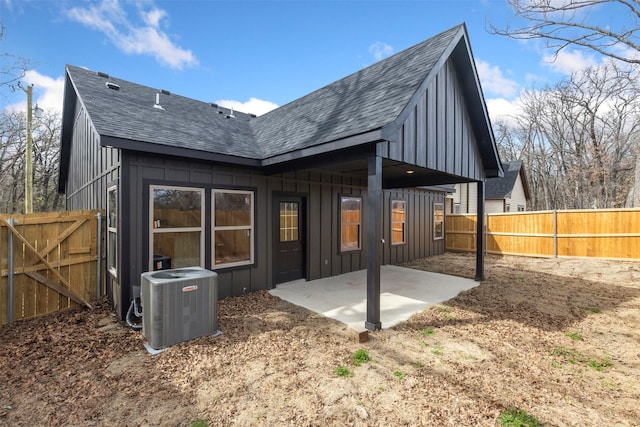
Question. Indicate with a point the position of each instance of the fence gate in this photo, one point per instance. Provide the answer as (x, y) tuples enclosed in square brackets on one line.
[(48, 262)]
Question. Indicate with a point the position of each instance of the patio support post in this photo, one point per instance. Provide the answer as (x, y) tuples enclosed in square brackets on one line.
[(374, 242), (480, 234)]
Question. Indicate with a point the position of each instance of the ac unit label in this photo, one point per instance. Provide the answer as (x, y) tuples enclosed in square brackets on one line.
[(190, 288)]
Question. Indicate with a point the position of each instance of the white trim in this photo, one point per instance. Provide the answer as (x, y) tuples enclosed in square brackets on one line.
[(114, 230), (441, 208), (404, 223), (158, 230), (359, 223), (250, 228)]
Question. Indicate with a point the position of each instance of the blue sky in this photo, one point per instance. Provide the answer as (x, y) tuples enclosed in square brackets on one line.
[(255, 55)]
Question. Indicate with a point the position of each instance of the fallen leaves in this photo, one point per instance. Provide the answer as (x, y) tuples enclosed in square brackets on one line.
[(488, 349)]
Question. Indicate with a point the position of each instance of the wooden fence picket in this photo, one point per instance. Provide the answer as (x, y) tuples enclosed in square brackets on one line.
[(55, 258)]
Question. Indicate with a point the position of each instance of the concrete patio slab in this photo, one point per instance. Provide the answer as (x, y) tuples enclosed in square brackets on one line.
[(403, 291)]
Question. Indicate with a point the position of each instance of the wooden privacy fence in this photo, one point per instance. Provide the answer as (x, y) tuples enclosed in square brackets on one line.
[(608, 233), (48, 262)]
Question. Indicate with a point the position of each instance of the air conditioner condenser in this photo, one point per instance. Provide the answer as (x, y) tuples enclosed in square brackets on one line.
[(178, 305)]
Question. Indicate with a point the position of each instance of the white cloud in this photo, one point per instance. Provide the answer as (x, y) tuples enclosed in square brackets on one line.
[(493, 81), (503, 109), (147, 39), (47, 92), (380, 50), (252, 106), (569, 61)]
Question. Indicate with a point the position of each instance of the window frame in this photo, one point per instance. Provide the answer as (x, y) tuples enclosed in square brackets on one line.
[(112, 228), (159, 230), (438, 206), (250, 227), (290, 230), (403, 222), (341, 224)]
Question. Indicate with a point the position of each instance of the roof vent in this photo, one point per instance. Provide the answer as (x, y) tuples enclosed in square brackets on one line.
[(253, 116), (230, 115), (213, 104), (157, 105), (165, 92), (112, 85), (101, 74)]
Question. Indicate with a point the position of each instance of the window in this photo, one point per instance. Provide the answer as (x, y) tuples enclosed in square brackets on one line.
[(507, 208), (438, 221), (457, 208), (288, 221), (177, 221), (112, 230), (350, 223), (398, 222), (520, 208), (232, 228)]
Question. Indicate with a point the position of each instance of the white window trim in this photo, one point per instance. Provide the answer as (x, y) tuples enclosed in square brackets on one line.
[(114, 230), (153, 231), (441, 208), (359, 248), (250, 227), (404, 222)]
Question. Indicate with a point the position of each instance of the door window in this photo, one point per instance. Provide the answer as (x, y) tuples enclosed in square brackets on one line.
[(289, 221)]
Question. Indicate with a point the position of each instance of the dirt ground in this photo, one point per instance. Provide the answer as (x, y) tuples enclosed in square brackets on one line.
[(558, 338)]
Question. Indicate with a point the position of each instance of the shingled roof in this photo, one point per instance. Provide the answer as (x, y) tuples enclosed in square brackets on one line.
[(125, 115), (500, 188), (366, 100)]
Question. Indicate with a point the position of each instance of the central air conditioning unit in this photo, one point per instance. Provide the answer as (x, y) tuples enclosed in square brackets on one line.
[(178, 305)]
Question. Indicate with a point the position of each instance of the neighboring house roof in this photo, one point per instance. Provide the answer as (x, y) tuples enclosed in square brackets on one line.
[(501, 188), (351, 111)]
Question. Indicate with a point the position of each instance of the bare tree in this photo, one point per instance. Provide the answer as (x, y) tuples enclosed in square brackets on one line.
[(566, 23), (577, 139), (13, 66), (46, 158)]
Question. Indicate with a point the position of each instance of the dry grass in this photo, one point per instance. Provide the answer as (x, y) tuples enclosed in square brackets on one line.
[(559, 339)]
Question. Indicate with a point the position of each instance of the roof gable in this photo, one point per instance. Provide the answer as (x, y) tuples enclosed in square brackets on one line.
[(363, 101), (500, 188), (352, 111)]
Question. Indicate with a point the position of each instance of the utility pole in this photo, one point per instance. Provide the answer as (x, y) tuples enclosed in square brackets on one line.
[(28, 161)]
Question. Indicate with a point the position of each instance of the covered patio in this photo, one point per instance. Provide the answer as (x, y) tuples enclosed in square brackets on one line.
[(404, 291)]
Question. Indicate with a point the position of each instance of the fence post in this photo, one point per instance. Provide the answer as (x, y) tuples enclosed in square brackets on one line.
[(10, 271), (486, 233), (99, 253), (555, 233)]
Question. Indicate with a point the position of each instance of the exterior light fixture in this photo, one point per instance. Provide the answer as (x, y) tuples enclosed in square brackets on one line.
[(38, 112), (410, 171)]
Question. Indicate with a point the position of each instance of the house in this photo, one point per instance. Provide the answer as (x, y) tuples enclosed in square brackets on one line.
[(509, 193), (324, 185)]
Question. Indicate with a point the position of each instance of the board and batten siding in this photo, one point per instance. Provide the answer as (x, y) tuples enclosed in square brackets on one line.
[(91, 168), (437, 132), (321, 190), (419, 225)]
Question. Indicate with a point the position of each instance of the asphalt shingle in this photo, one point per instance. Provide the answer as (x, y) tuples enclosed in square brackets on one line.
[(361, 102), (499, 188)]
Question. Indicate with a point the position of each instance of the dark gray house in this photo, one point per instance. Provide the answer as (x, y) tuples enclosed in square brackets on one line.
[(324, 185)]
